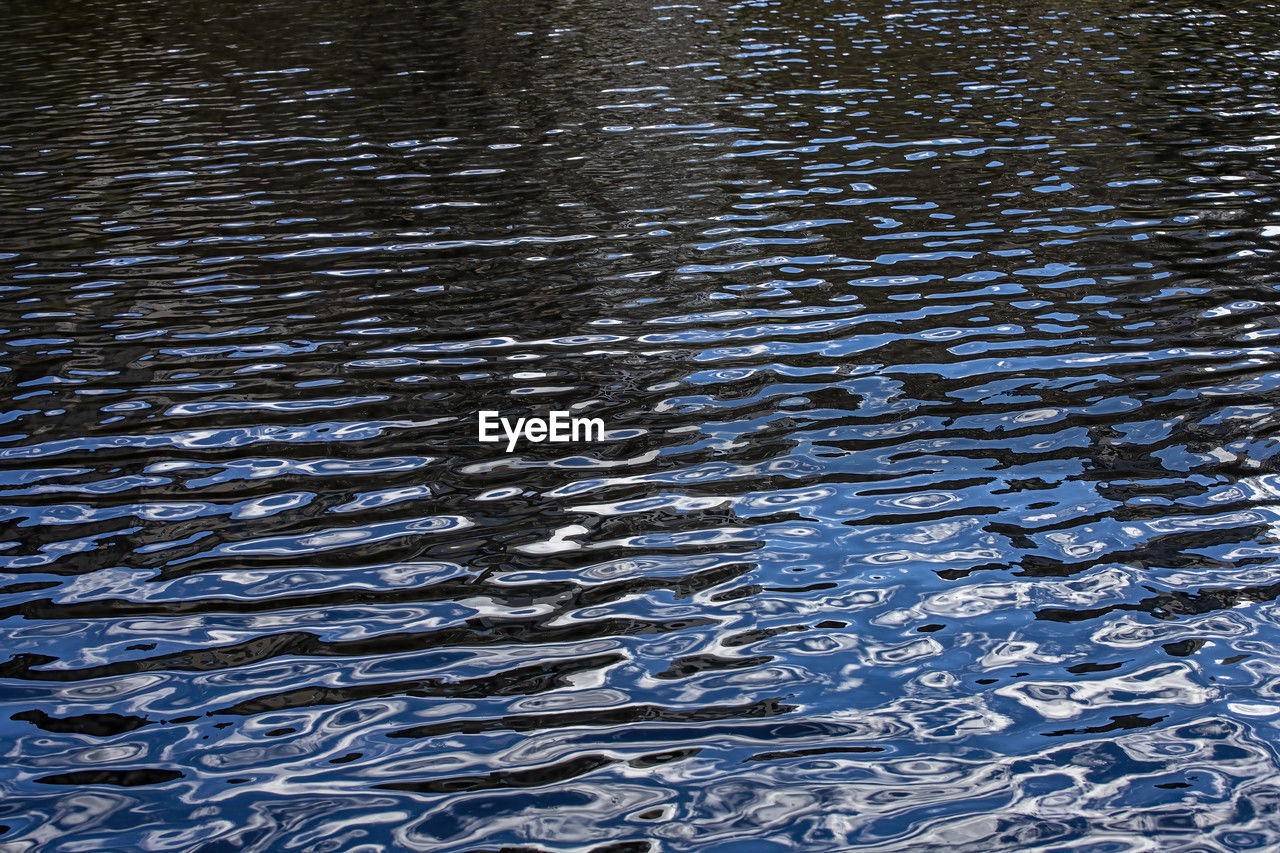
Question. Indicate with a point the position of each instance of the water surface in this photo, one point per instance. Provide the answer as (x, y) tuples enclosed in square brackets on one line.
[(937, 343)]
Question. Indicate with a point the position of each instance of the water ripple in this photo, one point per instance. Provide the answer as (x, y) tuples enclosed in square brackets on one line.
[(938, 508)]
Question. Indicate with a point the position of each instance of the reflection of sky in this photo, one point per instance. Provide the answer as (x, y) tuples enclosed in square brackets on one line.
[(934, 344)]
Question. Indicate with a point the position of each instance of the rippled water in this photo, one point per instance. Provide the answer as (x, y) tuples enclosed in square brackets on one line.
[(937, 344)]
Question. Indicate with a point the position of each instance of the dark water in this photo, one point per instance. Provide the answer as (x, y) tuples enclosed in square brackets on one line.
[(937, 344)]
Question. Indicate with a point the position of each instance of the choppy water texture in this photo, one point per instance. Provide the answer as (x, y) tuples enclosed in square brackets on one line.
[(938, 348)]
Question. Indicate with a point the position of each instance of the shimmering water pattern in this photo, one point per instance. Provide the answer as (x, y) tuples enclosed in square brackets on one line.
[(937, 345)]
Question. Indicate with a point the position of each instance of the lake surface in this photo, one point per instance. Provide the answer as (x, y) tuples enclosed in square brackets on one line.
[(938, 348)]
